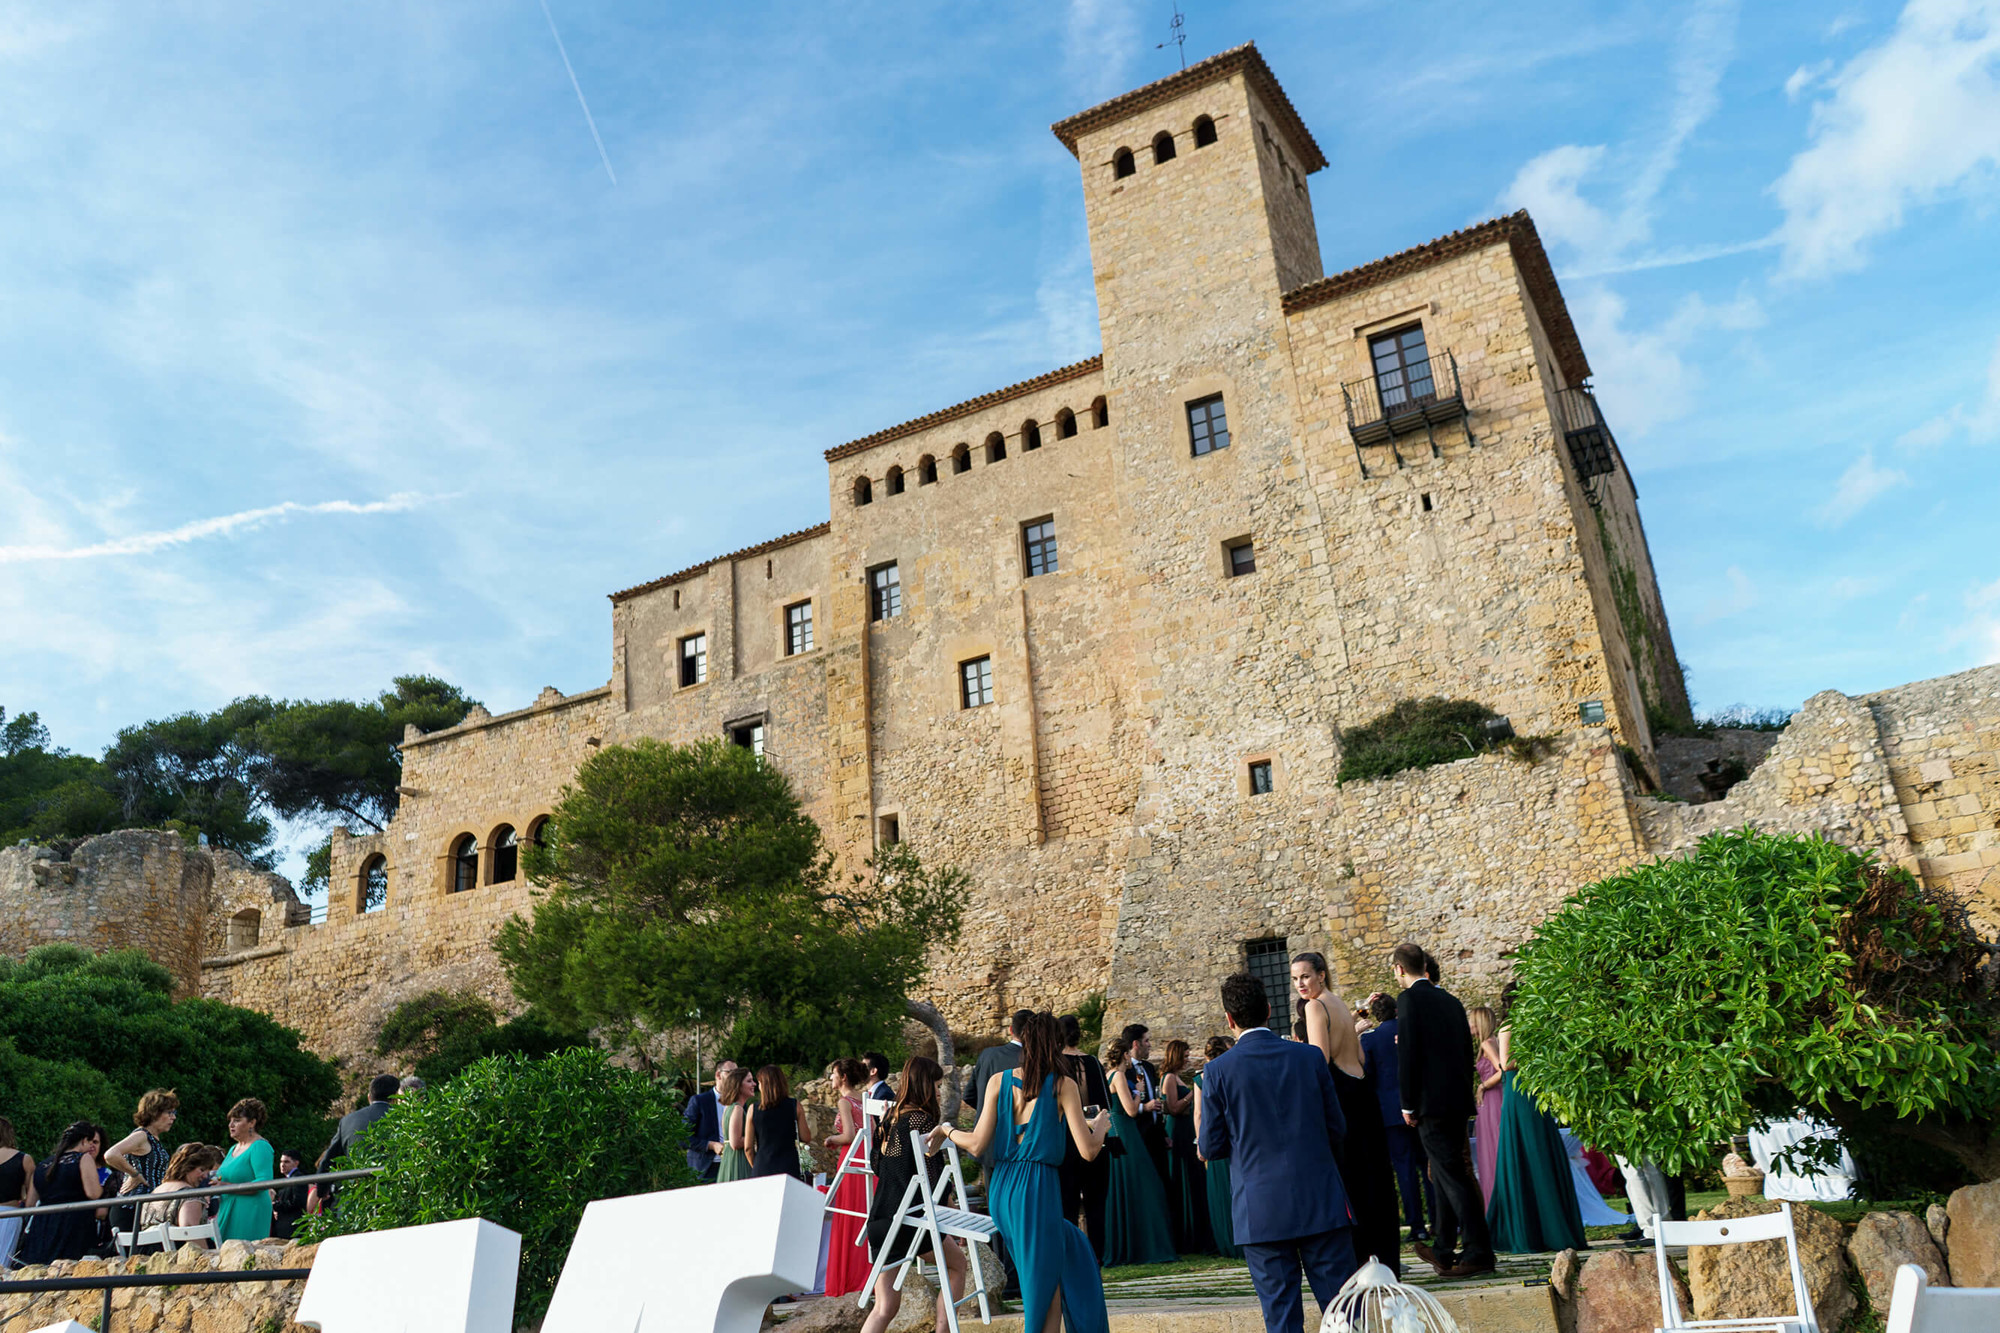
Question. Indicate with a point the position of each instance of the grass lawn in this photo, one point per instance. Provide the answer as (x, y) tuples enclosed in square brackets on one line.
[(1199, 1263)]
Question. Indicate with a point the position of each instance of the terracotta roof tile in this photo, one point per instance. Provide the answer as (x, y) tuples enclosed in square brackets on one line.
[(1243, 58), (969, 406), (803, 534)]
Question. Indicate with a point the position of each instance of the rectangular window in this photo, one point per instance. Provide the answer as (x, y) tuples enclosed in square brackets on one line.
[(1270, 962), (888, 831), (1208, 428), (975, 682), (749, 735), (1040, 539), (885, 592), (1402, 367), (694, 659), (1242, 559), (798, 628), (1260, 778)]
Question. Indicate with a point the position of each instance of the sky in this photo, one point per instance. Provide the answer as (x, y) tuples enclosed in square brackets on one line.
[(339, 342)]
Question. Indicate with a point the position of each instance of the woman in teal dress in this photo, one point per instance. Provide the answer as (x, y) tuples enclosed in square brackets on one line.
[(735, 1106), (1534, 1208), (1052, 1256), (1135, 1209), (1187, 1183), (1221, 1226), (246, 1216)]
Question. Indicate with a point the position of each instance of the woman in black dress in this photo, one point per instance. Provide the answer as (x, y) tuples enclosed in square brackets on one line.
[(777, 1127), (68, 1175), (1187, 1181), (916, 1108), (1364, 1154), (1085, 1184), (17, 1190)]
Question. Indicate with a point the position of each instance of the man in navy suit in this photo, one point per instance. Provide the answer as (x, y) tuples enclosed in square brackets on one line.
[(1268, 1106), (1406, 1155), (703, 1117)]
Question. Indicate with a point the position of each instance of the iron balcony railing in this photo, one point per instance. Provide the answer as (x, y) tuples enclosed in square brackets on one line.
[(1419, 395), (1592, 451)]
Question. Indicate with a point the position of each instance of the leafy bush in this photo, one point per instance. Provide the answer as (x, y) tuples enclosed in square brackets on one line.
[(444, 1031), (522, 1142), (83, 1036), (1675, 1004), (1416, 733)]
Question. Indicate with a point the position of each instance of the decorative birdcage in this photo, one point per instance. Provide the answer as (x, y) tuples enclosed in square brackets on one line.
[(1374, 1302)]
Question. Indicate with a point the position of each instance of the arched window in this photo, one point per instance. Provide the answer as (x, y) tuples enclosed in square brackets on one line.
[(1122, 164), (506, 855), (894, 481), (961, 458), (996, 447), (465, 864), (244, 928), (1065, 424), (373, 894), (1031, 435), (1204, 131), (1163, 147), (926, 470), (1100, 414), (538, 831), (863, 492)]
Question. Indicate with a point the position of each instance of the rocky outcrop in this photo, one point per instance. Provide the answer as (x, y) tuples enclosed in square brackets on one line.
[(1752, 1280), (823, 1314), (1938, 1222), (1974, 1235), (1884, 1242), (1618, 1291), (183, 1309)]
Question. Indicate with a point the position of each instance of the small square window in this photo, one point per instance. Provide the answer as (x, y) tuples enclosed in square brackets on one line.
[(885, 592), (1242, 559), (888, 830), (798, 628), (1260, 778), (750, 736), (1591, 712), (1040, 540), (1208, 427), (694, 659), (975, 682)]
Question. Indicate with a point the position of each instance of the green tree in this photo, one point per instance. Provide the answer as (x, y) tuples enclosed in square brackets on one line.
[(83, 1035), (195, 770), (522, 1142), (444, 1031), (338, 760), (685, 880), (1673, 1005), (48, 794)]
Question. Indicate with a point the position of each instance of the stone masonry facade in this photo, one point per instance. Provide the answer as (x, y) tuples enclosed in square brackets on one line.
[(1130, 742)]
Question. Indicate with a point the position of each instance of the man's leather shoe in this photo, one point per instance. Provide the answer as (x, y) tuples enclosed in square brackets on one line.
[(1467, 1268), (1425, 1252)]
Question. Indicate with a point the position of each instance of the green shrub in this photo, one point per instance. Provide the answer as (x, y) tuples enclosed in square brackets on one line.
[(1671, 1006), (1416, 733), (444, 1031), (521, 1142)]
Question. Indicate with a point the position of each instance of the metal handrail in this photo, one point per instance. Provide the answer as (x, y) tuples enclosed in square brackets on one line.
[(203, 1192)]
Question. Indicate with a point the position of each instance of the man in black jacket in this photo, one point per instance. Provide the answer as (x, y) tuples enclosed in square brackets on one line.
[(381, 1089), (1434, 1059)]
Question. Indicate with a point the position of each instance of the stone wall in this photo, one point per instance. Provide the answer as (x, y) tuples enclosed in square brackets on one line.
[(234, 1307)]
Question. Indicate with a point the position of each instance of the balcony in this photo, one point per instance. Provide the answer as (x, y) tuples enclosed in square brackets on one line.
[(1416, 397), (1592, 451)]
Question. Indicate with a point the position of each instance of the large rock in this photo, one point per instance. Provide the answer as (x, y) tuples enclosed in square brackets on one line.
[(1974, 1236), (1754, 1280), (826, 1314), (918, 1312), (1564, 1274), (1938, 1222), (1619, 1292), (1884, 1242)]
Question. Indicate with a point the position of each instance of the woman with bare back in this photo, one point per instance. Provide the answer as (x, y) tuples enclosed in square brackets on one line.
[(1364, 1154)]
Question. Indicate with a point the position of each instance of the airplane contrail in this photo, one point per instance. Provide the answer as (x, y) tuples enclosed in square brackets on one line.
[(588, 119)]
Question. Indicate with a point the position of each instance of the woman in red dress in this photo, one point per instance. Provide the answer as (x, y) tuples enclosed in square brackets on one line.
[(846, 1259)]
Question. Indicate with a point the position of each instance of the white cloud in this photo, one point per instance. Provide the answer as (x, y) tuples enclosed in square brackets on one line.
[(1102, 39), (1981, 627), (1646, 379), (1978, 423), (1740, 597), (1861, 485), (1804, 77), (144, 543), (1908, 122)]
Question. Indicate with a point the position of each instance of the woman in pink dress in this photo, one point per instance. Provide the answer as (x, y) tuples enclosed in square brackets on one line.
[(846, 1261), (1489, 1068)]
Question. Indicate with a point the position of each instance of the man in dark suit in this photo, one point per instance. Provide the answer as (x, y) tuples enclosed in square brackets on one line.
[(381, 1089), (1151, 1119), (703, 1117), (878, 1077), (1434, 1059), (1378, 1059), (288, 1201), (1007, 1055), (1268, 1106)]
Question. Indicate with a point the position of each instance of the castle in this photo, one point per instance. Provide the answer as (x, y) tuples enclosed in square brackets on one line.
[(1092, 637)]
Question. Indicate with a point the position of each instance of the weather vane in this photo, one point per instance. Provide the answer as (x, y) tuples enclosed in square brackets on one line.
[(1178, 36)]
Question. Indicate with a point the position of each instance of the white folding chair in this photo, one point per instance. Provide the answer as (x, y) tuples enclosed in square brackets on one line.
[(922, 1211), (1917, 1307), (1734, 1231), (167, 1236), (856, 1161)]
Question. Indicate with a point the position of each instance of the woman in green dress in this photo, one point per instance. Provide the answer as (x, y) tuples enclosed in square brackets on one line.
[(1135, 1210), (246, 1216), (1221, 1226), (1187, 1183), (1534, 1208), (730, 1095)]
